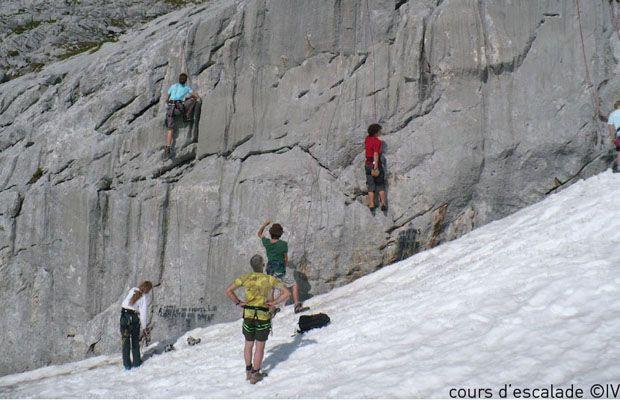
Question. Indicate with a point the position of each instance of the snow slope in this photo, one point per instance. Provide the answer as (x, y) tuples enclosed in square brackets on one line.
[(531, 300)]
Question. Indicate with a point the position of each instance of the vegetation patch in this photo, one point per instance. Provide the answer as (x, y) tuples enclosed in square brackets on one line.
[(19, 29), (81, 47), (15, 75), (118, 22), (37, 175), (182, 3), (13, 53), (36, 66), (77, 48)]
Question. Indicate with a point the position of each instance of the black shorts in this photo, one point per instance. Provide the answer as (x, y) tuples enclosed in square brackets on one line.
[(374, 183), (256, 329)]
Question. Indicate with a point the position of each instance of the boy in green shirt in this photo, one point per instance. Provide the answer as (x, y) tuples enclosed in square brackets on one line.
[(277, 260)]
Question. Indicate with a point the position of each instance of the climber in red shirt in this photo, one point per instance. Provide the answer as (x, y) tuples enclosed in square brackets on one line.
[(375, 174)]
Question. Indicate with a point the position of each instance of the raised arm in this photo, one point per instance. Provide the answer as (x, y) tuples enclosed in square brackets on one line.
[(262, 228)]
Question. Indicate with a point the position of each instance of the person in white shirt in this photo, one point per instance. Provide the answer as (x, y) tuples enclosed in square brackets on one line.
[(613, 124), (133, 315)]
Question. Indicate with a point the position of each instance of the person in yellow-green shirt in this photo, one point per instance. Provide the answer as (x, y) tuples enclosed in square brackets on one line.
[(256, 317)]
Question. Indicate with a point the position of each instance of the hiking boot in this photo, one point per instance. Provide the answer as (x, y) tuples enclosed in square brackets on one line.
[(383, 207), (256, 376)]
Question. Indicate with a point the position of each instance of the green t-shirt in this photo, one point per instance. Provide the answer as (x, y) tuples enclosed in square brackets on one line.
[(275, 251)]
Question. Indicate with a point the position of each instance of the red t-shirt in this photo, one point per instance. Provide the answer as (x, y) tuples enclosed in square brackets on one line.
[(373, 144)]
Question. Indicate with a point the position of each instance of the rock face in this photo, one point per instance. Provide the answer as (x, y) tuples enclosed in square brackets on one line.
[(485, 109), (35, 33)]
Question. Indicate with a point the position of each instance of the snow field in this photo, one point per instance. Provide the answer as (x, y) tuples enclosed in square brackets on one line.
[(530, 300)]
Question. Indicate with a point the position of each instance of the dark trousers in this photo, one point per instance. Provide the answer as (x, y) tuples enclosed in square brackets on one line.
[(130, 338), (276, 267), (184, 108)]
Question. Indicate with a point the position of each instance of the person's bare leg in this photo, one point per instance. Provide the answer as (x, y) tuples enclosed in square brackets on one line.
[(247, 352), (168, 141), (296, 293), (382, 198), (371, 199), (259, 352)]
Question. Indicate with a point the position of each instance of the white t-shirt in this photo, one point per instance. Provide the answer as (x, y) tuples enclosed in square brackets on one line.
[(614, 119), (141, 305)]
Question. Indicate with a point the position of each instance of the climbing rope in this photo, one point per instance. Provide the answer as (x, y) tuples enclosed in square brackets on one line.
[(374, 77), (316, 180), (355, 54), (614, 20), (336, 107), (597, 105), (183, 63), (179, 275)]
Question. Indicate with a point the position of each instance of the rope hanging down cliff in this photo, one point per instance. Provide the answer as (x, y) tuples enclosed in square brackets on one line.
[(374, 88), (597, 104)]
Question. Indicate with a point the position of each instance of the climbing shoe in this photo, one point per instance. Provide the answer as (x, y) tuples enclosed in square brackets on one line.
[(383, 207)]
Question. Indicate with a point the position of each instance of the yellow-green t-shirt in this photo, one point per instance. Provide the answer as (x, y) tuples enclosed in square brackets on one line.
[(257, 290)]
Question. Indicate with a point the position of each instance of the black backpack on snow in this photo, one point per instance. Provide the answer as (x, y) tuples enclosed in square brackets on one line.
[(307, 322)]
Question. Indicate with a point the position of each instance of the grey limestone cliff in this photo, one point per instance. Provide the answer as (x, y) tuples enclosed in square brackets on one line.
[(486, 108), (34, 33)]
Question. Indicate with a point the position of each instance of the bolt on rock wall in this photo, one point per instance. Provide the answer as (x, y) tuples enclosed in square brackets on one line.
[(485, 109)]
